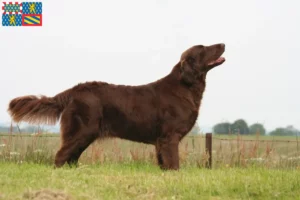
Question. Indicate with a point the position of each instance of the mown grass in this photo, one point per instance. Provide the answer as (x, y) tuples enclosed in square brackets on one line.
[(135, 180)]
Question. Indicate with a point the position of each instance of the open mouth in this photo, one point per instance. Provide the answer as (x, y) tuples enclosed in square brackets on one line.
[(219, 61)]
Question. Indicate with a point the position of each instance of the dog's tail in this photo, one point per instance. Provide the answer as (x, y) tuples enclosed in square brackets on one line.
[(38, 110)]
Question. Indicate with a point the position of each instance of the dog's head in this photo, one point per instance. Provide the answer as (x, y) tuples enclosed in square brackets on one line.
[(199, 59)]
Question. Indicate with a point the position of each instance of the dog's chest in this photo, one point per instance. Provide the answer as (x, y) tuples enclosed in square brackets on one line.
[(180, 114)]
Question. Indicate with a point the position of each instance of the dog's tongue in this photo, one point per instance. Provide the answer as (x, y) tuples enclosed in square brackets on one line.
[(221, 59)]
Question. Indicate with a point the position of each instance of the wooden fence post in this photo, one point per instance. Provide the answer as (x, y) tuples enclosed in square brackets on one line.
[(208, 147)]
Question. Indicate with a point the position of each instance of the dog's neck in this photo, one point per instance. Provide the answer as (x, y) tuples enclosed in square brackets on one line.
[(196, 89)]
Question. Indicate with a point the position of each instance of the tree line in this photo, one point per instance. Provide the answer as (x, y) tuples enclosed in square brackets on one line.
[(16, 129), (240, 126)]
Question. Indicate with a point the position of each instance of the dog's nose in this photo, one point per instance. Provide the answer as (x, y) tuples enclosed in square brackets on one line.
[(222, 45)]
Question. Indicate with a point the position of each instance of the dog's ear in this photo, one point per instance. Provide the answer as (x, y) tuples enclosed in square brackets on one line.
[(188, 75)]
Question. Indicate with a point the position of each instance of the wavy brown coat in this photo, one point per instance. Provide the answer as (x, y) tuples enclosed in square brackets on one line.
[(160, 113)]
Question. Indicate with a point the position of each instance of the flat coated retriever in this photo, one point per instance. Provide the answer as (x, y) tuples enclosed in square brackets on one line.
[(160, 113)]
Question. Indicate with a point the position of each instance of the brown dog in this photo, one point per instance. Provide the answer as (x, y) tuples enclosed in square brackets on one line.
[(159, 113)]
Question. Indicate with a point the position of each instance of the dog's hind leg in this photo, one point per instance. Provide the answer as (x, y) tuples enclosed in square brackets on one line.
[(79, 128), (71, 150)]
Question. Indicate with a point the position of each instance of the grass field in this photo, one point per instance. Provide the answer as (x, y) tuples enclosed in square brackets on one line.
[(242, 151), (243, 168), (145, 181)]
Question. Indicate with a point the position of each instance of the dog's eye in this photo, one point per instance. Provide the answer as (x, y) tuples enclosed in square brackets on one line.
[(191, 60)]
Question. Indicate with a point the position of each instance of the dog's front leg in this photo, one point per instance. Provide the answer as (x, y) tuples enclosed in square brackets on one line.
[(167, 152)]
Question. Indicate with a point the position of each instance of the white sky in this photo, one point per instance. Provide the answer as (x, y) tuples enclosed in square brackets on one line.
[(136, 42)]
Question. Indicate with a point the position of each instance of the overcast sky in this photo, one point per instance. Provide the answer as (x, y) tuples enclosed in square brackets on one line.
[(136, 42)]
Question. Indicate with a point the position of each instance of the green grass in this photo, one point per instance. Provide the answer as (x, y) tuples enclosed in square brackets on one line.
[(243, 168), (145, 181)]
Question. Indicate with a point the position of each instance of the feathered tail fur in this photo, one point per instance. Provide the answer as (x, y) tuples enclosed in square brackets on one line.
[(38, 110)]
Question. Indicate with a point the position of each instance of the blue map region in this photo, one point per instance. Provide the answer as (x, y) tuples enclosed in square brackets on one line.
[(11, 20), (27, 7)]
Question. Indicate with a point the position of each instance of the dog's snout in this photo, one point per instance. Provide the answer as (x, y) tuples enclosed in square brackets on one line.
[(218, 46)]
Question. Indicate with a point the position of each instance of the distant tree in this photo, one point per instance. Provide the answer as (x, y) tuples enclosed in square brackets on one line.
[(255, 128), (195, 130), (7, 129), (28, 129), (240, 126), (222, 128), (16, 129), (285, 132), (4, 129)]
